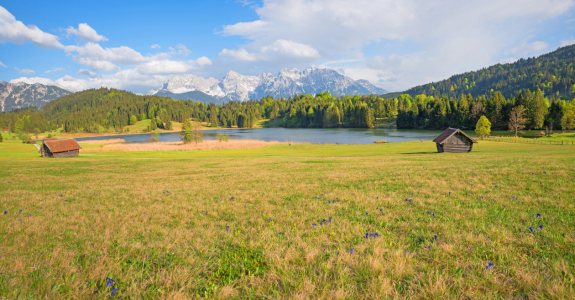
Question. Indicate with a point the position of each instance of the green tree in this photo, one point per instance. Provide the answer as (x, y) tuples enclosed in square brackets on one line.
[(186, 133), (133, 120), (1, 138), (537, 110), (168, 125), (483, 127), (568, 120)]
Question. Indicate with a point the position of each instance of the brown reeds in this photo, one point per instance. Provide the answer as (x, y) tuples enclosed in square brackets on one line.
[(103, 142), (180, 146)]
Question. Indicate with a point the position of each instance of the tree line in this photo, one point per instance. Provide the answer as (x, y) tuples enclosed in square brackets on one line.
[(98, 110), (435, 113)]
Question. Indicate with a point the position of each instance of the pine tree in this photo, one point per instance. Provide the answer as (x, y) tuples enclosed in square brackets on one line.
[(537, 111)]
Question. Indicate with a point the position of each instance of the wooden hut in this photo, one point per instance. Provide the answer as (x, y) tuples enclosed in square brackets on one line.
[(59, 148), (454, 140)]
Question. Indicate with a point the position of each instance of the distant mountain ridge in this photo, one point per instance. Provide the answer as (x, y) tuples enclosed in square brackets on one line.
[(287, 83), (19, 95)]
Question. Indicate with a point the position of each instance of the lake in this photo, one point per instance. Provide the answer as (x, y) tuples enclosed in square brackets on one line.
[(297, 135)]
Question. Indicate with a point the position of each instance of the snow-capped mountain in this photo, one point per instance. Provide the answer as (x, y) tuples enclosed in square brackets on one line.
[(20, 94), (289, 82)]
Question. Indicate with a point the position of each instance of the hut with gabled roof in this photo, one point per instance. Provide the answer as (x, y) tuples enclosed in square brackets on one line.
[(60, 148), (455, 141)]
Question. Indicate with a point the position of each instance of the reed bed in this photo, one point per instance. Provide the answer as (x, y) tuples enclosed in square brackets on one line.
[(103, 142), (180, 146)]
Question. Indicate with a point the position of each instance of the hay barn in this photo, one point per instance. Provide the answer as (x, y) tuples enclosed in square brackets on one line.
[(455, 141), (59, 148)]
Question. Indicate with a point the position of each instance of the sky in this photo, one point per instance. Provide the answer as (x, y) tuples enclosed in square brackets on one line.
[(138, 45)]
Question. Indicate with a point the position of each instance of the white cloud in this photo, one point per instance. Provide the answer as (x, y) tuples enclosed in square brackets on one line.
[(203, 61), (164, 67), (16, 32), (86, 73), (125, 79), (526, 48), (33, 80), (85, 33), (155, 46), (278, 50), (240, 54), (3, 65), (54, 70), (290, 49), (95, 57), (443, 37), (24, 71), (180, 49), (567, 42)]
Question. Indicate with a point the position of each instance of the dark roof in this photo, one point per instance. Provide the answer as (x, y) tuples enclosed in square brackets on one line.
[(62, 145), (449, 132)]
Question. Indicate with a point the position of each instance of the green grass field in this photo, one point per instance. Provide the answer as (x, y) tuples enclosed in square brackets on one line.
[(281, 223)]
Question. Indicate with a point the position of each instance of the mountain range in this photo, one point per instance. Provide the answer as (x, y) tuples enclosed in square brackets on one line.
[(19, 95), (288, 82)]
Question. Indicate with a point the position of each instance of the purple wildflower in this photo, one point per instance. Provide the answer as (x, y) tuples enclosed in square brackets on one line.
[(5, 212), (531, 228), (489, 265), (538, 216), (541, 226), (110, 282), (114, 290), (351, 251)]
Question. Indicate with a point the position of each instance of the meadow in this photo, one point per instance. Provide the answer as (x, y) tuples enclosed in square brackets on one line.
[(300, 221)]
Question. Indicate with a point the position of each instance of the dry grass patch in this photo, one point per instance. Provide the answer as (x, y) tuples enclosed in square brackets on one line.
[(179, 146)]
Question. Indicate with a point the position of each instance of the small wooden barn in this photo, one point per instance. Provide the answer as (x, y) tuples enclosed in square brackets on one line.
[(59, 148), (454, 140)]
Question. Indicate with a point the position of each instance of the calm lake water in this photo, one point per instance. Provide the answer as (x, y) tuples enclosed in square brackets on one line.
[(298, 135)]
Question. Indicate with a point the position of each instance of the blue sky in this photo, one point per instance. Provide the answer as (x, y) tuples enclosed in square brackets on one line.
[(137, 45)]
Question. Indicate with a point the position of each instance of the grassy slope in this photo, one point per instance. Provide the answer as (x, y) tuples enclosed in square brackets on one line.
[(115, 219)]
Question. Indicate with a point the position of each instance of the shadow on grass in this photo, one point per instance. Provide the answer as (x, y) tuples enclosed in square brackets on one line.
[(411, 153)]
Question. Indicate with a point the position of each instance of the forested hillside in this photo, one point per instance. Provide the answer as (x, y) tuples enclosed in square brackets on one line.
[(552, 73)]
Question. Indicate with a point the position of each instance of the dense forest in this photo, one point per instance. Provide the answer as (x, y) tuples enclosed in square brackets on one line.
[(110, 110), (552, 73)]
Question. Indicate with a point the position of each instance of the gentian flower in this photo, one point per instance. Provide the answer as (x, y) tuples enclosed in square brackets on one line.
[(489, 265), (113, 292), (227, 228), (541, 226), (351, 251), (366, 212), (538, 215), (435, 237), (110, 282), (531, 228), (313, 225), (5, 212), (367, 235)]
